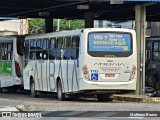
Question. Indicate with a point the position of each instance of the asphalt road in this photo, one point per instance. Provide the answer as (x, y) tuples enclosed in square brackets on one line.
[(78, 109)]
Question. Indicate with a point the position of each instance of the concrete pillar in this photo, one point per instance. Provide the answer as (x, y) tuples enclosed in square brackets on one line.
[(48, 25), (100, 23), (24, 26), (140, 22), (89, 20)]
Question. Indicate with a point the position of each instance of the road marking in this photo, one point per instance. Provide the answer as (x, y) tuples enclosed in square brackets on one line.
[(106, 114), (4, 99), (73, 113), (135, 117)]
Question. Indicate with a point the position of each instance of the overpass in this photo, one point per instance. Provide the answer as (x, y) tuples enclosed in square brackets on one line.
[(75, 9)]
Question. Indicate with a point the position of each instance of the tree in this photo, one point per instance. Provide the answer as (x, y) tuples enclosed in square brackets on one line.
[(37, 25), (69, 24)]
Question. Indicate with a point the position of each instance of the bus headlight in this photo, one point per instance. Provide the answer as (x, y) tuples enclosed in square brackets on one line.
[(86, 72)]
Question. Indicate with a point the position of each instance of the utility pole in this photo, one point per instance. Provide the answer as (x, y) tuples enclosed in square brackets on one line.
[(140, 21), (58, 24)]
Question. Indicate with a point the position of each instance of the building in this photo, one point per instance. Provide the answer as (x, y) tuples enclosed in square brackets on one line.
[(18, 25)]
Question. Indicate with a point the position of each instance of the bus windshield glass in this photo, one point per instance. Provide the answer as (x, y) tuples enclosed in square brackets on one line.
[(110, 43)]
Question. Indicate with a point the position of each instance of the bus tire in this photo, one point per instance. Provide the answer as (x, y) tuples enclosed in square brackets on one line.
[(60, 94), (33, 91)]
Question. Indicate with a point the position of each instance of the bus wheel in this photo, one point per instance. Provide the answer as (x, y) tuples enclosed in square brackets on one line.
[(33, 91), (60, 94)]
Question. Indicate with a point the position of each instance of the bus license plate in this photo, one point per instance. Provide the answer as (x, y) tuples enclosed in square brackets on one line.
[(109, 75)]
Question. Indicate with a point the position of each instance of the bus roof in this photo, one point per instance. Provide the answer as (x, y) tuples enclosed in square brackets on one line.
[(6, 38), (52, 34), (73, 32)]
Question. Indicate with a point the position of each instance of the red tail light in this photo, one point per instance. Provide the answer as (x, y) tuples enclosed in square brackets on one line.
[(17, 68)]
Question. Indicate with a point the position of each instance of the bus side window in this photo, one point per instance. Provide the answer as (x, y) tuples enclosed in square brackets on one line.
[(4, 51), (32, 49), (156, 53), (32, 44), (52, 49), (39, 49), (148, 50), (67, 48), (39, 44), (60, 42), (60, 48), (32, 55), (10, 50), (4, 55), (45, 49), (75, 47), (10, 46)]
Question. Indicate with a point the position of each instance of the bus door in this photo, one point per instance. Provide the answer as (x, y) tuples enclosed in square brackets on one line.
[(51, 65), (73, 65), (45, 66), (6, 64), (26, 53)]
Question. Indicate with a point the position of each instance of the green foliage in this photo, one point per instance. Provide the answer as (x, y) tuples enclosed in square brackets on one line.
[(69, 24), (37, 25)]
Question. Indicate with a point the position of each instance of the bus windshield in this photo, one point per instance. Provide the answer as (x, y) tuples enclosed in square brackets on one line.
[(102, 44)]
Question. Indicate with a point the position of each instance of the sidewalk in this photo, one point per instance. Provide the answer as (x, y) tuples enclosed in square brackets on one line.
[(136, 98)]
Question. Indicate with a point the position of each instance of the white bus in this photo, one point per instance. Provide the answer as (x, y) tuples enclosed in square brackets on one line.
[(96, 61), (11, 61)]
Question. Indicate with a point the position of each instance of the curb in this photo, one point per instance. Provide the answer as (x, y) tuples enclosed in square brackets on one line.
[(22, 108), (135, 98), (152, 99), (130, 98)]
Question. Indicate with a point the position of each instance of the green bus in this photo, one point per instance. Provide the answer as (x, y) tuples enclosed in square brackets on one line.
[(11, 61)]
